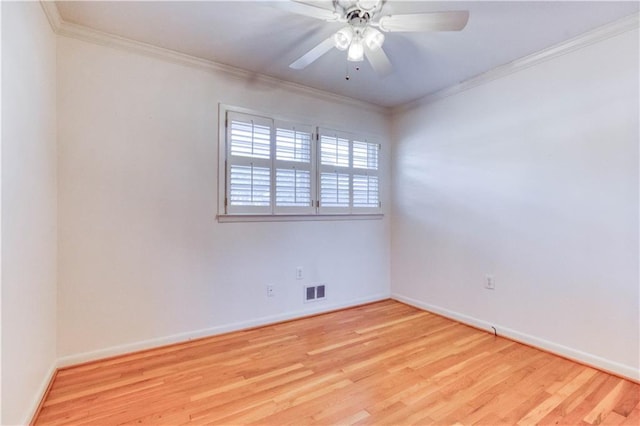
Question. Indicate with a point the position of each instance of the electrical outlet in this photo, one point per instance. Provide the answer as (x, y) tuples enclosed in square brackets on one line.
[(490, 283), (299, 274), (271, 291)]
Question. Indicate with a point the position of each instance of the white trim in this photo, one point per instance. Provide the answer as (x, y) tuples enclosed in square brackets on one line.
[(229, 218), (70, 360), (40, 394), (81, 32), (1, 257), (595, 361), (594, 36), (53, 14), (222, 158)]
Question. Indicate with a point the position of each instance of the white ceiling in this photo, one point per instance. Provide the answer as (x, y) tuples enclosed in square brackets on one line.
[(260, 38)]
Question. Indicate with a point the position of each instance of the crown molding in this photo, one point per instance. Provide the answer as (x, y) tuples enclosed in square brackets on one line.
[(52, 13), (620, 26), (81, 32)]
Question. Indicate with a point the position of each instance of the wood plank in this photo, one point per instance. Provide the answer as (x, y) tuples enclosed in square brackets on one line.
[(605, 405)]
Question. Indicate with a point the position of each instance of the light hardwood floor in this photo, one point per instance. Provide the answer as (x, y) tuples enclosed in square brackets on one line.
[(383, 363)]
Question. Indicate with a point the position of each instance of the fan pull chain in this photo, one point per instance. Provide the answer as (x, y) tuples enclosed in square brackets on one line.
[(347, 76)]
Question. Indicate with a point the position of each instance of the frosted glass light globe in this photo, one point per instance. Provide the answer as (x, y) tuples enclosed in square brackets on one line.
[(356, 51), (342, 39)]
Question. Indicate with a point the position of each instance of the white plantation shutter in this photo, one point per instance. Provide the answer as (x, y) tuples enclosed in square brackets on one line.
[(349, 181), (335, 171), (293, 188), (366, 190), (365, 155), (273, 167), (293, 143), (249, 185), (249, 137), (334, 150), (334, 190), (248, 164), (294, 169)]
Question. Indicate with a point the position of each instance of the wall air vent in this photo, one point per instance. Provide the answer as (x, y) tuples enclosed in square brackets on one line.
[(313, 293)]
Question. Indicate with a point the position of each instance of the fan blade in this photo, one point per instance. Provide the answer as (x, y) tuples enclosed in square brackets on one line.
[(435, 21), (306, 9), (313, 54), (378, 60)]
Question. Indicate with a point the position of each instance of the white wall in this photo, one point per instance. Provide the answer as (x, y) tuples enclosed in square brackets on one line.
[(532, 178), (29, 221), (142, 259), (0, 213)]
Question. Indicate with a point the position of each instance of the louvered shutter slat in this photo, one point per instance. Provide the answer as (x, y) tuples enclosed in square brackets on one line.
[(365, 155), (293, 145), (334, 151), (293, 188), (248, 167), (365, 191), (249, 139), (249, 186), (293, 148), (334, 189)]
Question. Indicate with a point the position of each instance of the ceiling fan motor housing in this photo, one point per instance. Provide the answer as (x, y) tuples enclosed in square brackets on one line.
[(357, 17), (369, 6)]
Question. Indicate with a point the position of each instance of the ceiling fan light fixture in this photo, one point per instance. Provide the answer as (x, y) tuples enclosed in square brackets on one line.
[(356, 51), (342, 39), (364, 24), (373, 38)]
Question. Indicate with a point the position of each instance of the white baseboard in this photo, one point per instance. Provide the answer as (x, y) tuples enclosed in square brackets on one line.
[(609, 366), (40, 394), (69, 360)]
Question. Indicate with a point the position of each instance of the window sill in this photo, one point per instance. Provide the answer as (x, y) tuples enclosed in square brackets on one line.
[(229, 218)]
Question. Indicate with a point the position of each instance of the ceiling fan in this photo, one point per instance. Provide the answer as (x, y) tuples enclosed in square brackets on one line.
[(362, 36)]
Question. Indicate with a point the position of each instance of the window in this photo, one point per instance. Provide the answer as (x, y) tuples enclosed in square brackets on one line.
[(275, 167), (294, 172), (248, 164), (348, 173)]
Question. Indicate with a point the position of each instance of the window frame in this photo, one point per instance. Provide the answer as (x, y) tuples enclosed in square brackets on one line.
[(228, 213)]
